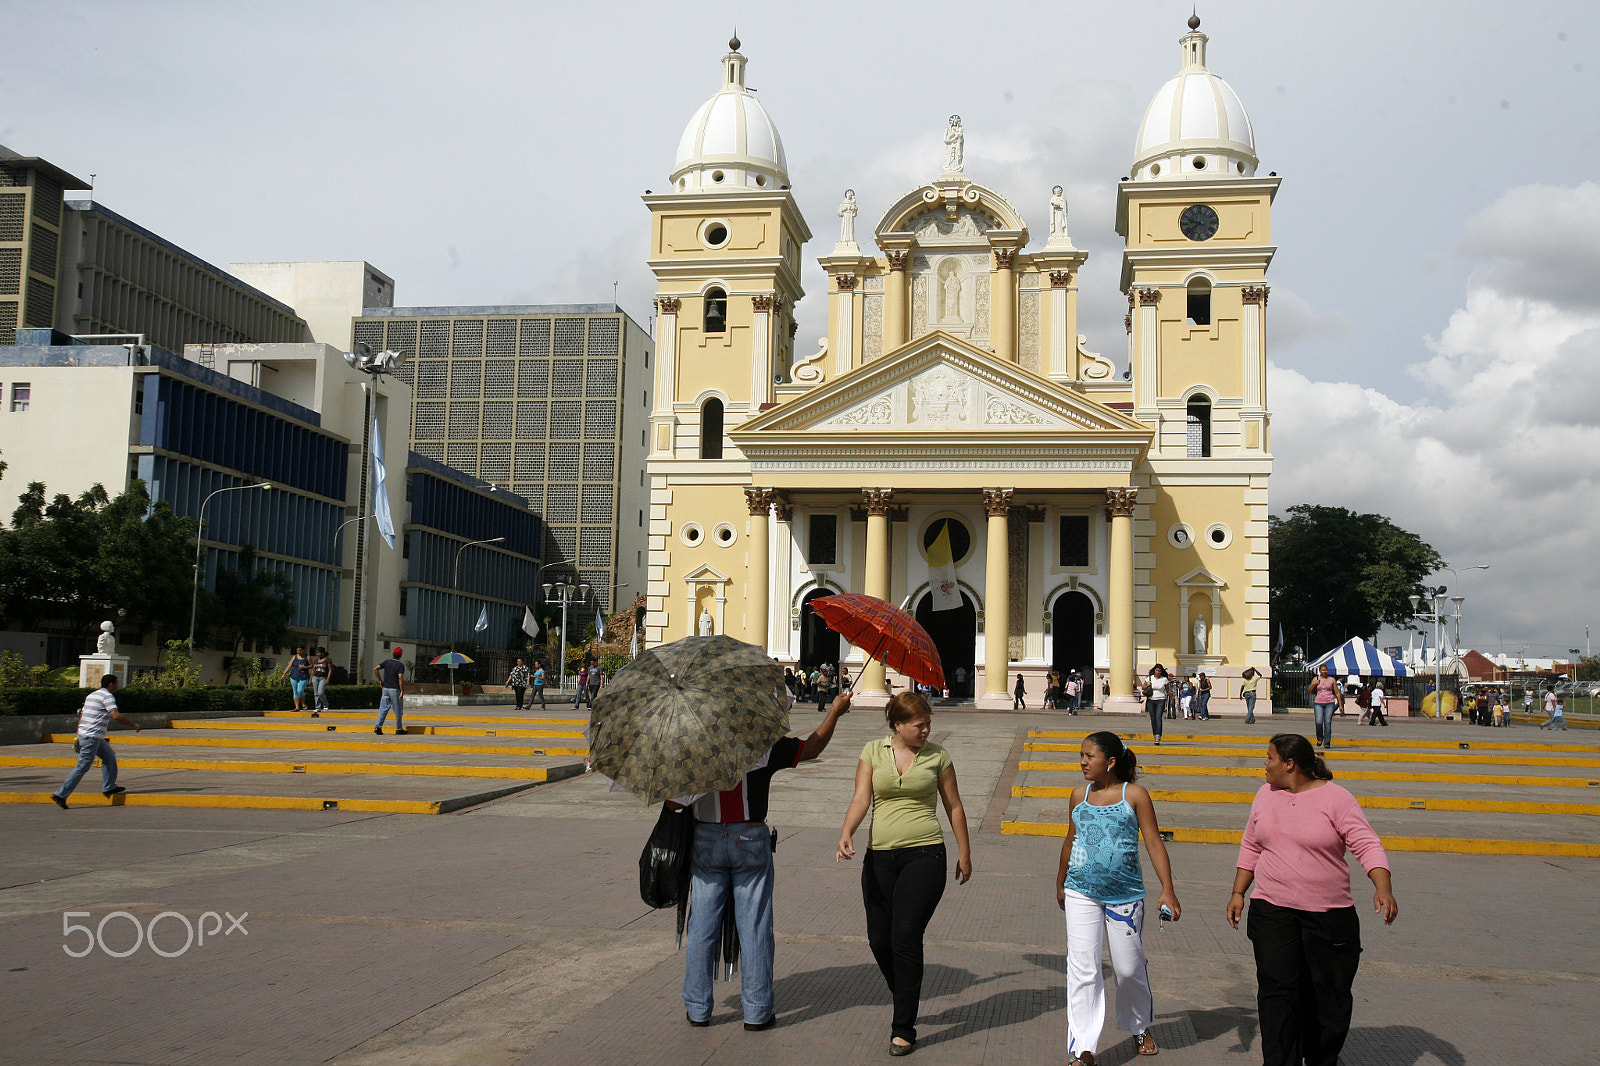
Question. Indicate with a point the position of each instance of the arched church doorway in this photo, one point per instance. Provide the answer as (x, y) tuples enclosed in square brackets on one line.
[(818, 643), (1072, 633), (954, 633)]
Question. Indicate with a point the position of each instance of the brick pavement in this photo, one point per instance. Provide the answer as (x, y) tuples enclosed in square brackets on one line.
[(513, 933)]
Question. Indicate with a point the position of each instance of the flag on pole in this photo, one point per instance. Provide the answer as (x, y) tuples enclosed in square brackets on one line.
[(530, 624), (483, 620), (942, 572), (380, 495), (1279, 649), (599, 625)]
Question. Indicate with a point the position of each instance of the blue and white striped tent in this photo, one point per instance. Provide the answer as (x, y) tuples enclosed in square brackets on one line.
[(1356, 656)]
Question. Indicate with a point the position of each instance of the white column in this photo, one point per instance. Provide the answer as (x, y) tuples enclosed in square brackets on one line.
[(666, 353), (1149, 337), (760, 353), (844, 354), (1061, 344)]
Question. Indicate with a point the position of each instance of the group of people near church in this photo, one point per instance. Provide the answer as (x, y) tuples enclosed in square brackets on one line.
[(1301, 916)]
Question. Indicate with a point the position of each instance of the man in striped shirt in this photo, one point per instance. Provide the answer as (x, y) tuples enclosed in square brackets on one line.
[(93, 721), (731, 865)]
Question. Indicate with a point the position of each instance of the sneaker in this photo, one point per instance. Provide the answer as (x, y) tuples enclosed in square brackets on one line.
[(379, 731), (113, 790), (61, 801)]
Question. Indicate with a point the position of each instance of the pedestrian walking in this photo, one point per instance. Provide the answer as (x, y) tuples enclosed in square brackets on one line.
[(731, 865), (298, 671), (538, 684), (904, 870), (321, 671), (597, 680), (1325, 695), (1156, 683), (1100, 888), (1203, 698), (518, 680), (391, 675), (1018, 700), (1247, 689), (1375, 712), (1303, 925), (583, 689), (1555, 709), (94, 721)]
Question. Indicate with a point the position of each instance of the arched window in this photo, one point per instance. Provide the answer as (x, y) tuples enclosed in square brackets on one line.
[(711, 429), (716, 311), (1200, 302), (1199, 424)]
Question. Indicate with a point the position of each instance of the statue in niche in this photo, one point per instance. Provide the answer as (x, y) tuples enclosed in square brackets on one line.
[(1058, 215), (1199, 636), (705, 622), (106, 644), (954, 145), (949, 292), (847, 218)]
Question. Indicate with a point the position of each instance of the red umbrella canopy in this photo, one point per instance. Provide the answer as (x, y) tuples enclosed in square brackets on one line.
[(885, 633)]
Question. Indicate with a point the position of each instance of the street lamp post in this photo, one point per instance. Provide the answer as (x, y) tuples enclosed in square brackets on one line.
[(194, 594), (567, 594), (333, 596), (455, 582)]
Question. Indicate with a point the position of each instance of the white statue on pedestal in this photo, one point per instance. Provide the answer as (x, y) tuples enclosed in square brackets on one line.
[(954, 145), (107, 643), (847, 218), (705, 622), (1058, 217), (1199, 636)]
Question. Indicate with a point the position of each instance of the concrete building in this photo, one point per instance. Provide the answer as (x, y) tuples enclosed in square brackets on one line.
[(548, 402), (1097, 520), (295, 416), (329, 296)]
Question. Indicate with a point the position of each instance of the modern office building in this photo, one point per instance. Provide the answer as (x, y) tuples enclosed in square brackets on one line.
[(548, 402), (297, 417), (82, 269)]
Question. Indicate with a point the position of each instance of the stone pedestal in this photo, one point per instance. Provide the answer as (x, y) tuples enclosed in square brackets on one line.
[(91, 668)]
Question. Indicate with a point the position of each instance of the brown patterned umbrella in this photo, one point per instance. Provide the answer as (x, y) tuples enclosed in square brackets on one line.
[(690, 716)]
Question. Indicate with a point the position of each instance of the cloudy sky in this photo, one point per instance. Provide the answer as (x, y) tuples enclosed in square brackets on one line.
[(1435, 316)]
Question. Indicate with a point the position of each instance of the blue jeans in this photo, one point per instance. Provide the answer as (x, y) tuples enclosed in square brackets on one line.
[(1324, 718), (730, 860), (319, 688), (1205, 705), (1249, 706), (391, 698), (99, 748)]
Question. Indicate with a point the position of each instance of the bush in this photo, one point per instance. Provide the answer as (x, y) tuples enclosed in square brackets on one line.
[(41, 700), (12, 669), (613, 662), (353, 697), (143, 699)]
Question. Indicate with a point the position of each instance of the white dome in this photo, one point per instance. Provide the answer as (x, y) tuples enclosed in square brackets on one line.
[(730, 143), (1196, 126)]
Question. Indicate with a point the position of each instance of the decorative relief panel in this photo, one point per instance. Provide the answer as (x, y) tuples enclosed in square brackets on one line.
[(1028, 331), (967, 227), (872, 324), (872, 283), (941, 397), (878, 411), (980, 328), (1001, 412), (1018, 577), (919, 301)]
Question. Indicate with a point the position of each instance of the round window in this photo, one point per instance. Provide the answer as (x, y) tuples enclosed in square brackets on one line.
[(761, 180), (1218, 535), (1199, 162), (716, 235), (1181, 536), (960, 537), (724, 535), (716, 175), (1155, 170), (691, 534)]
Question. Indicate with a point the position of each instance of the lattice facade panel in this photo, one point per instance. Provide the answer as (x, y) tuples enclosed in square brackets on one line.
[(603, 335), (565, 420), (466, 379), (428, 420), (497, 421), (534, 340), (531, 419), (568, 338), (463, 421), (431, 377), (598, 503), (566, 379), (602, 377), (466, 337), (533, 379), (463, 457), (600, 420), (594, 548), (494, 463), (501, 336), (499, 378)]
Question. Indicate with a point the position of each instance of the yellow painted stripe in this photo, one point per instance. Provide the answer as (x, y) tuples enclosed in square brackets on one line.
[(1353, 742), (274, 803), (1397, 803), (366, 727), (1344, 775), (1450, 845), (369, 715), (316, 743), (519, 773), (1346, 755)]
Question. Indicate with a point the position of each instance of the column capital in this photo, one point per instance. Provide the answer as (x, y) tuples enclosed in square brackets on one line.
[(1030, 512), (845, 282), (1003, 258), (1127, 323), (759, 500), (898, 260), (997, 502), (1060, 279), (899, 514), (783, 509), (876, 501), (762, 301), (1149, 296), (667, 305), (1119, 502), (1255, 294)]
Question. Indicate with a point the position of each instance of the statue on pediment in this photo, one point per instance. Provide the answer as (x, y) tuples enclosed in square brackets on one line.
[(954, 145)]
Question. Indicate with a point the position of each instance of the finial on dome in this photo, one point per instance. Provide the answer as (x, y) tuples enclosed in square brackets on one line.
[(733, 42), (1194, 21)]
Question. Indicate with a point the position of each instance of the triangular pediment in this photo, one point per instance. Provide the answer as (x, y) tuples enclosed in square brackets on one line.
[(1202, 577), (706, 574), (940, 384)]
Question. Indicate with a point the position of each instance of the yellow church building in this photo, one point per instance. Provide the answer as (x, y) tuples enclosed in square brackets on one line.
[(1099, 521)]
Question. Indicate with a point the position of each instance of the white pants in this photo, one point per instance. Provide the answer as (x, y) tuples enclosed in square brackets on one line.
[(1121, 925)]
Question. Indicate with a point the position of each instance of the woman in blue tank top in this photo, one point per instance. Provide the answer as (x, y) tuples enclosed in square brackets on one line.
[(1100, 887)]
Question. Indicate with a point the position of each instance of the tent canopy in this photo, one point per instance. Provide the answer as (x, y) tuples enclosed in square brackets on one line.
[(1356, 656)]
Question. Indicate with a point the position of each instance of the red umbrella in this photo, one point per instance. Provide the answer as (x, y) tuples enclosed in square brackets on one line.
[(884, 632)]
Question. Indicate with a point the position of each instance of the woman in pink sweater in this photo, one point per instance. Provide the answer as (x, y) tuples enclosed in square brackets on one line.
[(1303, 922)]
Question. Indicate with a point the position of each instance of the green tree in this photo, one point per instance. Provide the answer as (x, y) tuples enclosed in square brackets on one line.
[(1337, 574)]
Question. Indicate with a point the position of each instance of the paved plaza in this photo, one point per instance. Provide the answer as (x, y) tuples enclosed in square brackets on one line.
[(512, 931)]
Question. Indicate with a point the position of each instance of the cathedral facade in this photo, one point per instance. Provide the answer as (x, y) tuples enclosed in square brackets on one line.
[(1098, 521)]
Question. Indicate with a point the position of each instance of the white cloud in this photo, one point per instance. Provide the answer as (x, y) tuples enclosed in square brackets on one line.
[(1542, 242)]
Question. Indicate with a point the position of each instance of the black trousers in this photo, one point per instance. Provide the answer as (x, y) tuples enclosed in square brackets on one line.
[(1157, 710), (901, 888), (1305, 967)]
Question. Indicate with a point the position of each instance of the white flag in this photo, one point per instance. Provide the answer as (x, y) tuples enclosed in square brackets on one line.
[(483, 620), (530, 624), (599, 625), (380, 495), (942, 573)]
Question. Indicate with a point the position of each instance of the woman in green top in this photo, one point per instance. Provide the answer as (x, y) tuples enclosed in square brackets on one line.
[(903, 874)]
